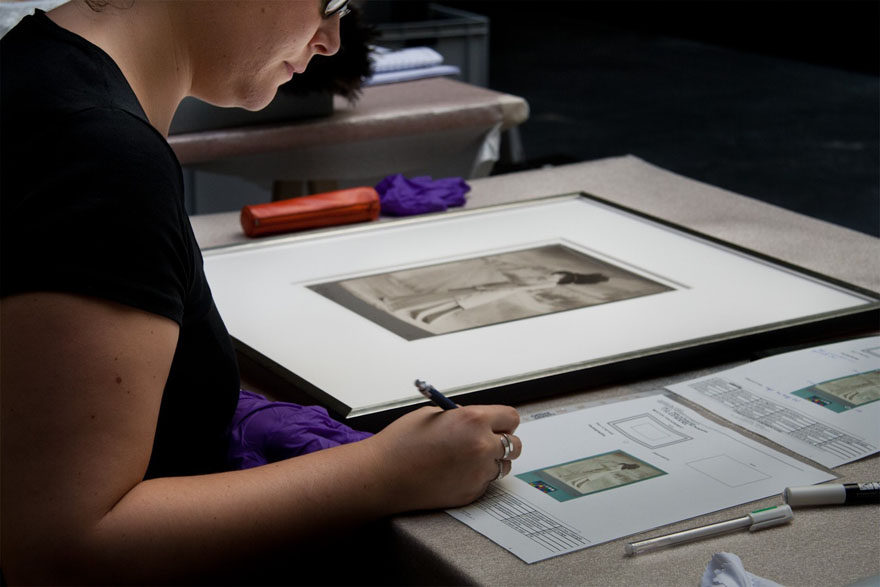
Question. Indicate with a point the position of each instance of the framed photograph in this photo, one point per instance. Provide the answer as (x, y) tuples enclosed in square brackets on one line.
[(509, 303)]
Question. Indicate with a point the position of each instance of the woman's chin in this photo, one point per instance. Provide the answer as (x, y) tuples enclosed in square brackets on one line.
[(258, 102), (253, 97)]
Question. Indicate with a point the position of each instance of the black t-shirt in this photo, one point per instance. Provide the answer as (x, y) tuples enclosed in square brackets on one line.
[(91, 202)]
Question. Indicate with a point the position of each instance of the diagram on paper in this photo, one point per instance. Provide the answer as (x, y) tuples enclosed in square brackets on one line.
[(728, 471), (648, 431)]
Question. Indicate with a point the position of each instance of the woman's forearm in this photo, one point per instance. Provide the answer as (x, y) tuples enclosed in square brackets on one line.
[(172, 528)]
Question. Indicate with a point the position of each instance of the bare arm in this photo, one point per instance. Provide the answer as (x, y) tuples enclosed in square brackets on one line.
[(82, 381)]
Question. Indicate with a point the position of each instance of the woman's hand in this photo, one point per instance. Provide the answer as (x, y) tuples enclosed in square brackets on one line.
[(438, 459)]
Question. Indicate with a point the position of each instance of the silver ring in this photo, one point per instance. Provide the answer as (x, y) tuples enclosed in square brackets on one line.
[(507, 445), (500, 470)]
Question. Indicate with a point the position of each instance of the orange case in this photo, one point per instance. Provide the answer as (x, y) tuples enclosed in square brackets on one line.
[(327, 209)]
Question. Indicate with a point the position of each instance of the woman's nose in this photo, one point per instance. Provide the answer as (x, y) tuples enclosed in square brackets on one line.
[(326, 40)]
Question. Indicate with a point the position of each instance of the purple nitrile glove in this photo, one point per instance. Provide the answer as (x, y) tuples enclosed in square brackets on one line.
[(401, 196), (264, 431)]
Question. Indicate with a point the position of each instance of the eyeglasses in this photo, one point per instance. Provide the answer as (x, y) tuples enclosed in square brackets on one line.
[(332, 7)]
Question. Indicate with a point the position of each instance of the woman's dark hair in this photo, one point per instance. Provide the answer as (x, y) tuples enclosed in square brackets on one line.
[(579, 278), (99, 5)]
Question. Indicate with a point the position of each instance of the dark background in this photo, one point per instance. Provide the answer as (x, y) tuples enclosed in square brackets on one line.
[(776, 100)]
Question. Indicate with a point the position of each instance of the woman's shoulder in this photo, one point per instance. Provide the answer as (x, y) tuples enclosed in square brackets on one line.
[(101, 153), (48, 74), (120, 141)]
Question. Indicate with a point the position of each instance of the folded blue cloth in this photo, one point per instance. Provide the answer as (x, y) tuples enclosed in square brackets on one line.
[(401, 196), (264, 431)]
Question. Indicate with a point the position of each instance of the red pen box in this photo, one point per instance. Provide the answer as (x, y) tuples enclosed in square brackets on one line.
[(346, 206)]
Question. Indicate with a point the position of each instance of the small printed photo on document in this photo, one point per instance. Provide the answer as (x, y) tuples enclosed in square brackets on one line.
[(845, 393), (470, 293), (589, 475)]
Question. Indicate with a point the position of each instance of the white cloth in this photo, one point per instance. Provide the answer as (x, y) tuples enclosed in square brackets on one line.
[(12, 12), (407, 64), (727, 570)]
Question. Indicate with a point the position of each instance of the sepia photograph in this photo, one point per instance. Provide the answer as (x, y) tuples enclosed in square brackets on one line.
[(590, 475), (471, 293)]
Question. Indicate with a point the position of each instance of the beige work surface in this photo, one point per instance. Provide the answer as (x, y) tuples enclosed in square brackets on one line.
[(823, 546)]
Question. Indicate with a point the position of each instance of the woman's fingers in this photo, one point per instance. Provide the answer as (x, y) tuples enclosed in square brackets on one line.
[(511, 447), (503, 419), (502, 469)]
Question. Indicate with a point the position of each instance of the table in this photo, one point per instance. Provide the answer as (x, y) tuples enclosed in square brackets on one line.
[(823, 546), (437, 126)]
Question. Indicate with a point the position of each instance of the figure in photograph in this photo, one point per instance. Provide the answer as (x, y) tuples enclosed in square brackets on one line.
[(595, 475), (430, 307)]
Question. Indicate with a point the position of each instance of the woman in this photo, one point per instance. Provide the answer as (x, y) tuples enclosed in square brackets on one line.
[(119, 381)]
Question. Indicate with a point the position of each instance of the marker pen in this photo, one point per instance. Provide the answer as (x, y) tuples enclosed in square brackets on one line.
[(756, 520), (833, 494)]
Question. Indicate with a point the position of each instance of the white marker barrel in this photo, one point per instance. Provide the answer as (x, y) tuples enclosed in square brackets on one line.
[(815, 495), (833, 494)]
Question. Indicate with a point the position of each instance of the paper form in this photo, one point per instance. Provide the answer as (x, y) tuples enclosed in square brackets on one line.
[(604, 472), (822, 403)]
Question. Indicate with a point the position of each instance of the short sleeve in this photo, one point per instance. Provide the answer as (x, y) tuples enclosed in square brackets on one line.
[(97, 209)]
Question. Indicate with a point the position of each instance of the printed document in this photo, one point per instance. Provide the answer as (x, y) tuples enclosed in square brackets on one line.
[(604, 472), (822, 403)]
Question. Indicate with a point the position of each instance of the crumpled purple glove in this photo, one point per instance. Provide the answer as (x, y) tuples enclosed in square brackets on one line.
[(263, 431), (400, 196)]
